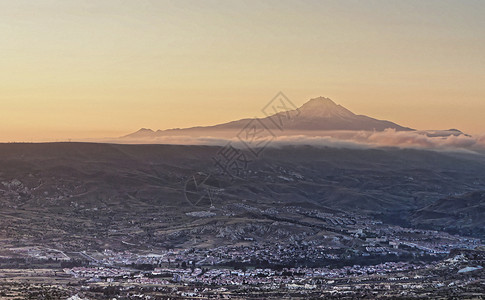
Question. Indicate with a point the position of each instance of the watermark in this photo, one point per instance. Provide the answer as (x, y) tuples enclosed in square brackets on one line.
[(280, 110), (256, 136), (233, 162), (201, 189)]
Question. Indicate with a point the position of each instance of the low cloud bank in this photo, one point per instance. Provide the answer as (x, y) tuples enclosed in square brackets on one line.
[(357, 139), (391, 137)]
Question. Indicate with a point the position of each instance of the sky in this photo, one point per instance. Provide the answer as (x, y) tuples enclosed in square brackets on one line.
[(93, 69)]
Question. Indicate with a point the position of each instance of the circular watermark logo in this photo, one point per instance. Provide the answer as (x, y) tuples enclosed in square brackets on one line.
[(202, 189)]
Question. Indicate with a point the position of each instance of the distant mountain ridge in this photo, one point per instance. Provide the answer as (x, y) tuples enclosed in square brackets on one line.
[(323, 114), (318, 114)]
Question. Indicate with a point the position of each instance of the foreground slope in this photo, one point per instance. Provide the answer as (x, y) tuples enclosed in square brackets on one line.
[(70, 195), (460, 214)]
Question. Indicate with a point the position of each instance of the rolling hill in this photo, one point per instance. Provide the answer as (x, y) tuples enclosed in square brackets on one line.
[(69, 195)]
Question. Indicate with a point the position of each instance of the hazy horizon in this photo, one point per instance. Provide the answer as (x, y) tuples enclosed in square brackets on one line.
[(78, 70)]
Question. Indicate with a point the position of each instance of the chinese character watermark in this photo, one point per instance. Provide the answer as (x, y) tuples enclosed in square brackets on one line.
[(232, 161), (256, 136), (280, 110)]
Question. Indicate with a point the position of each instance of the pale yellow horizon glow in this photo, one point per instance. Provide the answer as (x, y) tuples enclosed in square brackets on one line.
[(96, 69)]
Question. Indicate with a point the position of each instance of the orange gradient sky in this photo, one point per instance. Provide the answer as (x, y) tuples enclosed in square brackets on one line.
[(93, 69)]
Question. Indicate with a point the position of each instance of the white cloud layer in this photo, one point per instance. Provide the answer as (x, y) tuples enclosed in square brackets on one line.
[(357, 139)]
